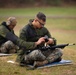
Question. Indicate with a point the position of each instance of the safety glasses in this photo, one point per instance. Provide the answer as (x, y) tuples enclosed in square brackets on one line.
[(40, 23)]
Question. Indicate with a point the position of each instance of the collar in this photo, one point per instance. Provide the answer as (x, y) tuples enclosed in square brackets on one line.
[(30, 23), (4, 24)]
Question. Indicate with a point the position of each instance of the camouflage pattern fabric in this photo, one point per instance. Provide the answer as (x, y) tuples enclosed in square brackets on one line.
[(54, 55), (35, 55), (5, 45), (8, 47), (4, 30), (30, 34), (38, 55)]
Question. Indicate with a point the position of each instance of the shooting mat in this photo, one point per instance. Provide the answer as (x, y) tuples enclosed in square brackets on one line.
[(62, 62)]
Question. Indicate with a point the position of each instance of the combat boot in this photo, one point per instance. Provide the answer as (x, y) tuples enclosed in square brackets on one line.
[(58, 60), (40, 63)]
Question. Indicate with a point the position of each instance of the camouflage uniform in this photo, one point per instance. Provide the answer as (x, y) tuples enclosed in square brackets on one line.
[(10, 42), (6, 46), (29, 34)]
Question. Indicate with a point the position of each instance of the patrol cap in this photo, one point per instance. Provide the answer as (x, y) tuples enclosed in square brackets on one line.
[(11, 21)]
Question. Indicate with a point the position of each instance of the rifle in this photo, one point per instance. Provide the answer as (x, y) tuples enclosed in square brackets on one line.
[(52, 47), (56, 46)]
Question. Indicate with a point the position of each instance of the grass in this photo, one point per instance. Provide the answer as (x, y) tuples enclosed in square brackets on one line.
[(32, 11), (63, 29)]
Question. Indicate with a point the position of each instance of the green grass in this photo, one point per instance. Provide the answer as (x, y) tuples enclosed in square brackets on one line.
[(32, 11), (63, 29), (63, 24)]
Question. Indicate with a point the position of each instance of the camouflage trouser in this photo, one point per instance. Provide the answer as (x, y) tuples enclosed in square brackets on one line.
[(49, 55), (8, 47)]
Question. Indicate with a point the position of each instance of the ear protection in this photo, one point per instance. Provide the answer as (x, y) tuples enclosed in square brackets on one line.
[(10, 20)]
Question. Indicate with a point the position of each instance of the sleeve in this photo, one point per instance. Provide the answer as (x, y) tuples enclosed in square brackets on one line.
[(24, 44), (21, 43), (3, 32), (50, 36)]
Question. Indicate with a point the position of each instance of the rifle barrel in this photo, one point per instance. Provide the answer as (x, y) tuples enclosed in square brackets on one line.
[(57, 46), (71, 44)]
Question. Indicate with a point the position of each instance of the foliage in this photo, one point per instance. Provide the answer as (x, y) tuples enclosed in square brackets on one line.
[(24, 3)]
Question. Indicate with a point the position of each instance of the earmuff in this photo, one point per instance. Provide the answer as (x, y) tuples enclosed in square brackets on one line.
[(8, 22)]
